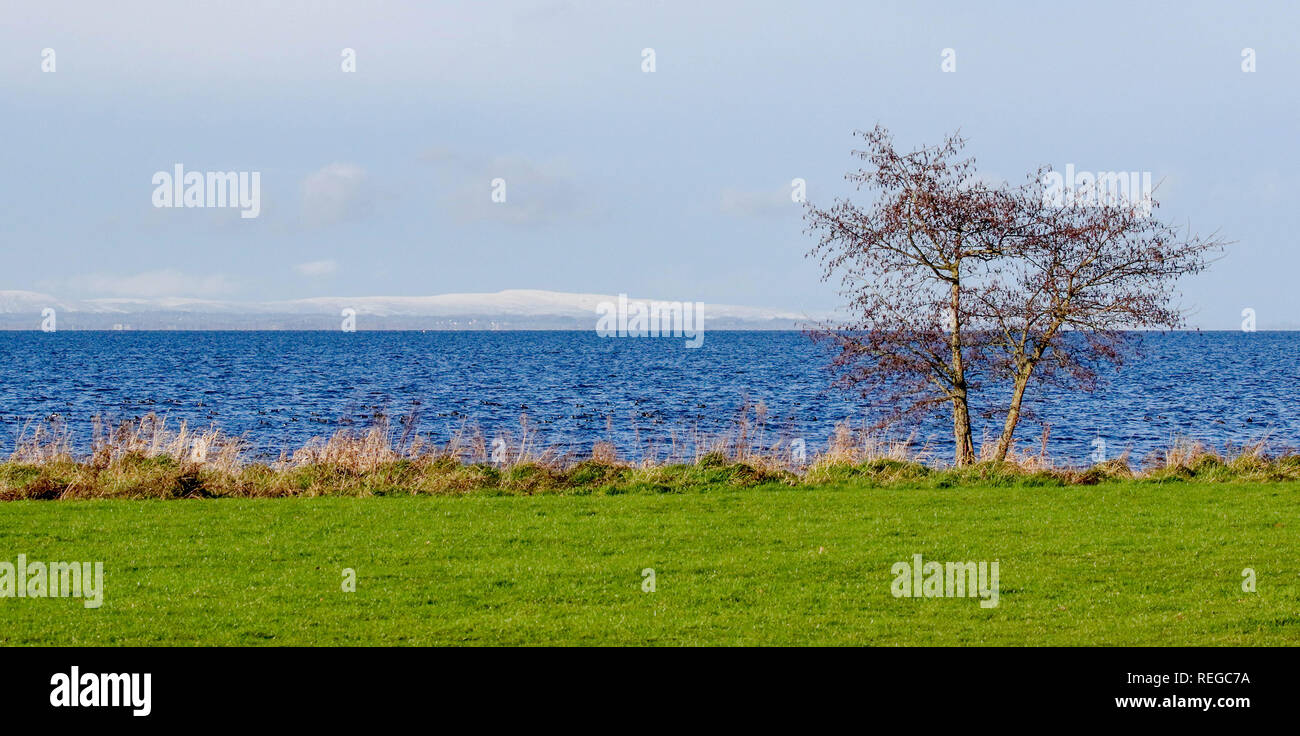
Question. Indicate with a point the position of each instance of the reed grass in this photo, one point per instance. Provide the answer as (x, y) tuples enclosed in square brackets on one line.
[(149, 458)]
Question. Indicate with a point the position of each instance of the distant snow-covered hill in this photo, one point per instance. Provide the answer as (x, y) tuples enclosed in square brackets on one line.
[(29, 302), (517, 308)]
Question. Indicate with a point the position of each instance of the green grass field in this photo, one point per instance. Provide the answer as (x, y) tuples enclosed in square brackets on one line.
[(1116, 563)]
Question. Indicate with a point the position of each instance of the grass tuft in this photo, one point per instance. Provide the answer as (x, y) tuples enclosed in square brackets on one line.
[(146, 459)]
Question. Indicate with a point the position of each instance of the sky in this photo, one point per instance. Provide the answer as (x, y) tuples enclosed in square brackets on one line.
[(673, 183)]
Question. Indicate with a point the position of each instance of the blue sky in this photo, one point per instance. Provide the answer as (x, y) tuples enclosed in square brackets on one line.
[(673, 184)]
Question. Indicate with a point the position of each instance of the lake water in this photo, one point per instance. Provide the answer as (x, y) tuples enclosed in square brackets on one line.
[(281, 388)]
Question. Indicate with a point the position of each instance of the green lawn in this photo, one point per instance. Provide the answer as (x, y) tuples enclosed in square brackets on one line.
[(1118, 563)]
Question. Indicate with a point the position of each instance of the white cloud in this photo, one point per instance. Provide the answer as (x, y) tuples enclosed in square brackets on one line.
[(757, 204), (317, 269), (439, 155), (160, 283), (334, 194), (535, 193)]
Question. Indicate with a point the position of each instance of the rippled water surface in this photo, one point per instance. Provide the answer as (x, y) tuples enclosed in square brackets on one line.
[(280, 388)]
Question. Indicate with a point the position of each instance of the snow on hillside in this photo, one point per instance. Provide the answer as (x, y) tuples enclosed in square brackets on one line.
[(29, 302), (512, 303)]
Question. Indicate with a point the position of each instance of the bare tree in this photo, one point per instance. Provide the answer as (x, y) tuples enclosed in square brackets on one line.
[(1086, 273), (906, 263), (953, 284)]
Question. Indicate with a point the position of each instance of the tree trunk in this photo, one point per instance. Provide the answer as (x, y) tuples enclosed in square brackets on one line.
[(964, 449), (1013, 412), (964, 454), (1025, 371)]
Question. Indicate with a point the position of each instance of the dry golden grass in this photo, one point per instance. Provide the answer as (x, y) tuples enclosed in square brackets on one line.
[(150, 437), (43, 442), (149, 458)]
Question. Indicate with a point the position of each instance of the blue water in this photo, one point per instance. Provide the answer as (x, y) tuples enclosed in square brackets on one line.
[(280, 388)]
